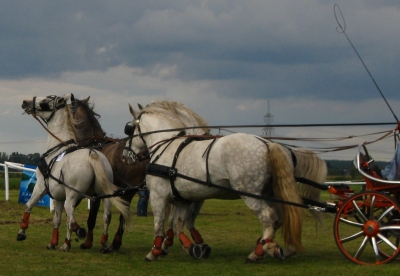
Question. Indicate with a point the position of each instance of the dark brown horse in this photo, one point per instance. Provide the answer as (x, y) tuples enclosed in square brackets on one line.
[(90, 134)]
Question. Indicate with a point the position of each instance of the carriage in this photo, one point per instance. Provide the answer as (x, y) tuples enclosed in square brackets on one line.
[(366, 226), (367, 223)]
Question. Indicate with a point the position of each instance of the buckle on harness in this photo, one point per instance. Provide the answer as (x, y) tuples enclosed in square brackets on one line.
[(172, 172)]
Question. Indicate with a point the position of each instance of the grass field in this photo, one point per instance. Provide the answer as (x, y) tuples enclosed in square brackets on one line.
[(227, 226)]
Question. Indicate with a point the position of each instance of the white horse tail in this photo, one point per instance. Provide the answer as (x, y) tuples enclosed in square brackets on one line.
[(107, 186), (310, 166), (285, 188)]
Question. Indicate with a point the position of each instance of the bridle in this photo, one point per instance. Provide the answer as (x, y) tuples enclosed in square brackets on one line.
[(130, 131), (46, 107)]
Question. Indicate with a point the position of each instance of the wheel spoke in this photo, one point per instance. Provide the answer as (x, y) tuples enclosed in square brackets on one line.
[(388, 242), (358, 210), (352, 237), (361, 249), (371, 208), (352, 223), (390, 227), (376, 250), (385, 213)]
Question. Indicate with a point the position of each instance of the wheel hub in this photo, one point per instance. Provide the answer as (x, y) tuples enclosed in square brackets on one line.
[(371, 228)]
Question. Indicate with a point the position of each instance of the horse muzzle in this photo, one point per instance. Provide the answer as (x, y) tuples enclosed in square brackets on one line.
[(27, 105)]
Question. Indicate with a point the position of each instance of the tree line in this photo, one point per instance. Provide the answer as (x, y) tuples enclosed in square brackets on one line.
[(16, 157)]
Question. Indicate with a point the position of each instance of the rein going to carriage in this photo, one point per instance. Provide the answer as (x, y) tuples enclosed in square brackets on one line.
[(171, 172)]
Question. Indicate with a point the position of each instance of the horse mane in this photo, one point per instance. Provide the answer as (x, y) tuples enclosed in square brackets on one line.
[(177, 112), (69, 122), (84, 120)]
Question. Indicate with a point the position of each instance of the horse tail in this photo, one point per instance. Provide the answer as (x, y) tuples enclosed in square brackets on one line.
[(107, 186), (310, 166), (285, 188)]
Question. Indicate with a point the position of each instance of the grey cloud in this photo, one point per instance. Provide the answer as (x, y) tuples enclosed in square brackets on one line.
[(252, 43)]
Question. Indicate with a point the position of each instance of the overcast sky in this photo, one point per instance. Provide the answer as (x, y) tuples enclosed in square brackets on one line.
[(224, 59)]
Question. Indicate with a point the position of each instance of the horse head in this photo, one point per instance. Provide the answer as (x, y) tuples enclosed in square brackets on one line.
[(45, 107)]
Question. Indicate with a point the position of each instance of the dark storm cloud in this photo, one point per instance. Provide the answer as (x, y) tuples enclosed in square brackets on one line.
[(253, 43)]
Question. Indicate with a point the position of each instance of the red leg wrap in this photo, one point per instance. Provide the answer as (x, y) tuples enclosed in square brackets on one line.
[(68, 242), (259, 251), (54, 238), (185, 241), (25, 221), (89, 239), (104, 239), (117, 238), (76, 227), (170, 238), (198, 239), (157, 251)]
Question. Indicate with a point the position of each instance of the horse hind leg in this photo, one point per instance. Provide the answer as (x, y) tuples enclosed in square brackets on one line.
[(70, 210), (265, 244), (107, 219), (117, 241), (56, 223), (91, 223)]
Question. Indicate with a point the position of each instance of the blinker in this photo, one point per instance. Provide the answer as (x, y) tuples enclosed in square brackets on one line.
[(129, 129)]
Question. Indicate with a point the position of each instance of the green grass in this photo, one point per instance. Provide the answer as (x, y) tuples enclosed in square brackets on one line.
[(227, 226)]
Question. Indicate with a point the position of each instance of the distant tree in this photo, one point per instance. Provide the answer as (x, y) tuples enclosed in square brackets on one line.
[(33, 159), (18, 158)]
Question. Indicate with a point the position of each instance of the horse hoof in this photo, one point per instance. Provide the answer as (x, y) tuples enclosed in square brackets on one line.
[(195, 251), (81, 233), (51, 247), (165, 252), (249, 261), (278, 253), (21, 237), (84, 247), (206, 251), (107, 250), (65, 248)]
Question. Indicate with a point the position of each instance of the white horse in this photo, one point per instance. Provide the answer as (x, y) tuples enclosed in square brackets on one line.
[(238, 162), (307, 165), (66, 172)]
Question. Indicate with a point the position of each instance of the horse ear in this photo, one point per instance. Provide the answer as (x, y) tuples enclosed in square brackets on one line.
[(140, 106), (68, 97), (133, 112), (86, 100)]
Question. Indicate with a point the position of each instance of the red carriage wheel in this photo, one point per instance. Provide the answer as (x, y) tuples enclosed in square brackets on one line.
[(367, 228)]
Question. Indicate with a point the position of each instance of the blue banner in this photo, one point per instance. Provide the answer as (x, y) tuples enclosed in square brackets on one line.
[(28, 182)]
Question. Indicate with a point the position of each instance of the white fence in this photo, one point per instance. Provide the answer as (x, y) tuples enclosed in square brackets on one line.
[(21, 167)]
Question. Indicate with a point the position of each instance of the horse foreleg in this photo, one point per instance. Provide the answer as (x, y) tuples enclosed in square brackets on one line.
[(56, 223), (38, 192), (107, 219), (91, 223), (169, 224), (158, 205), (194, 250), (117, 241)]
